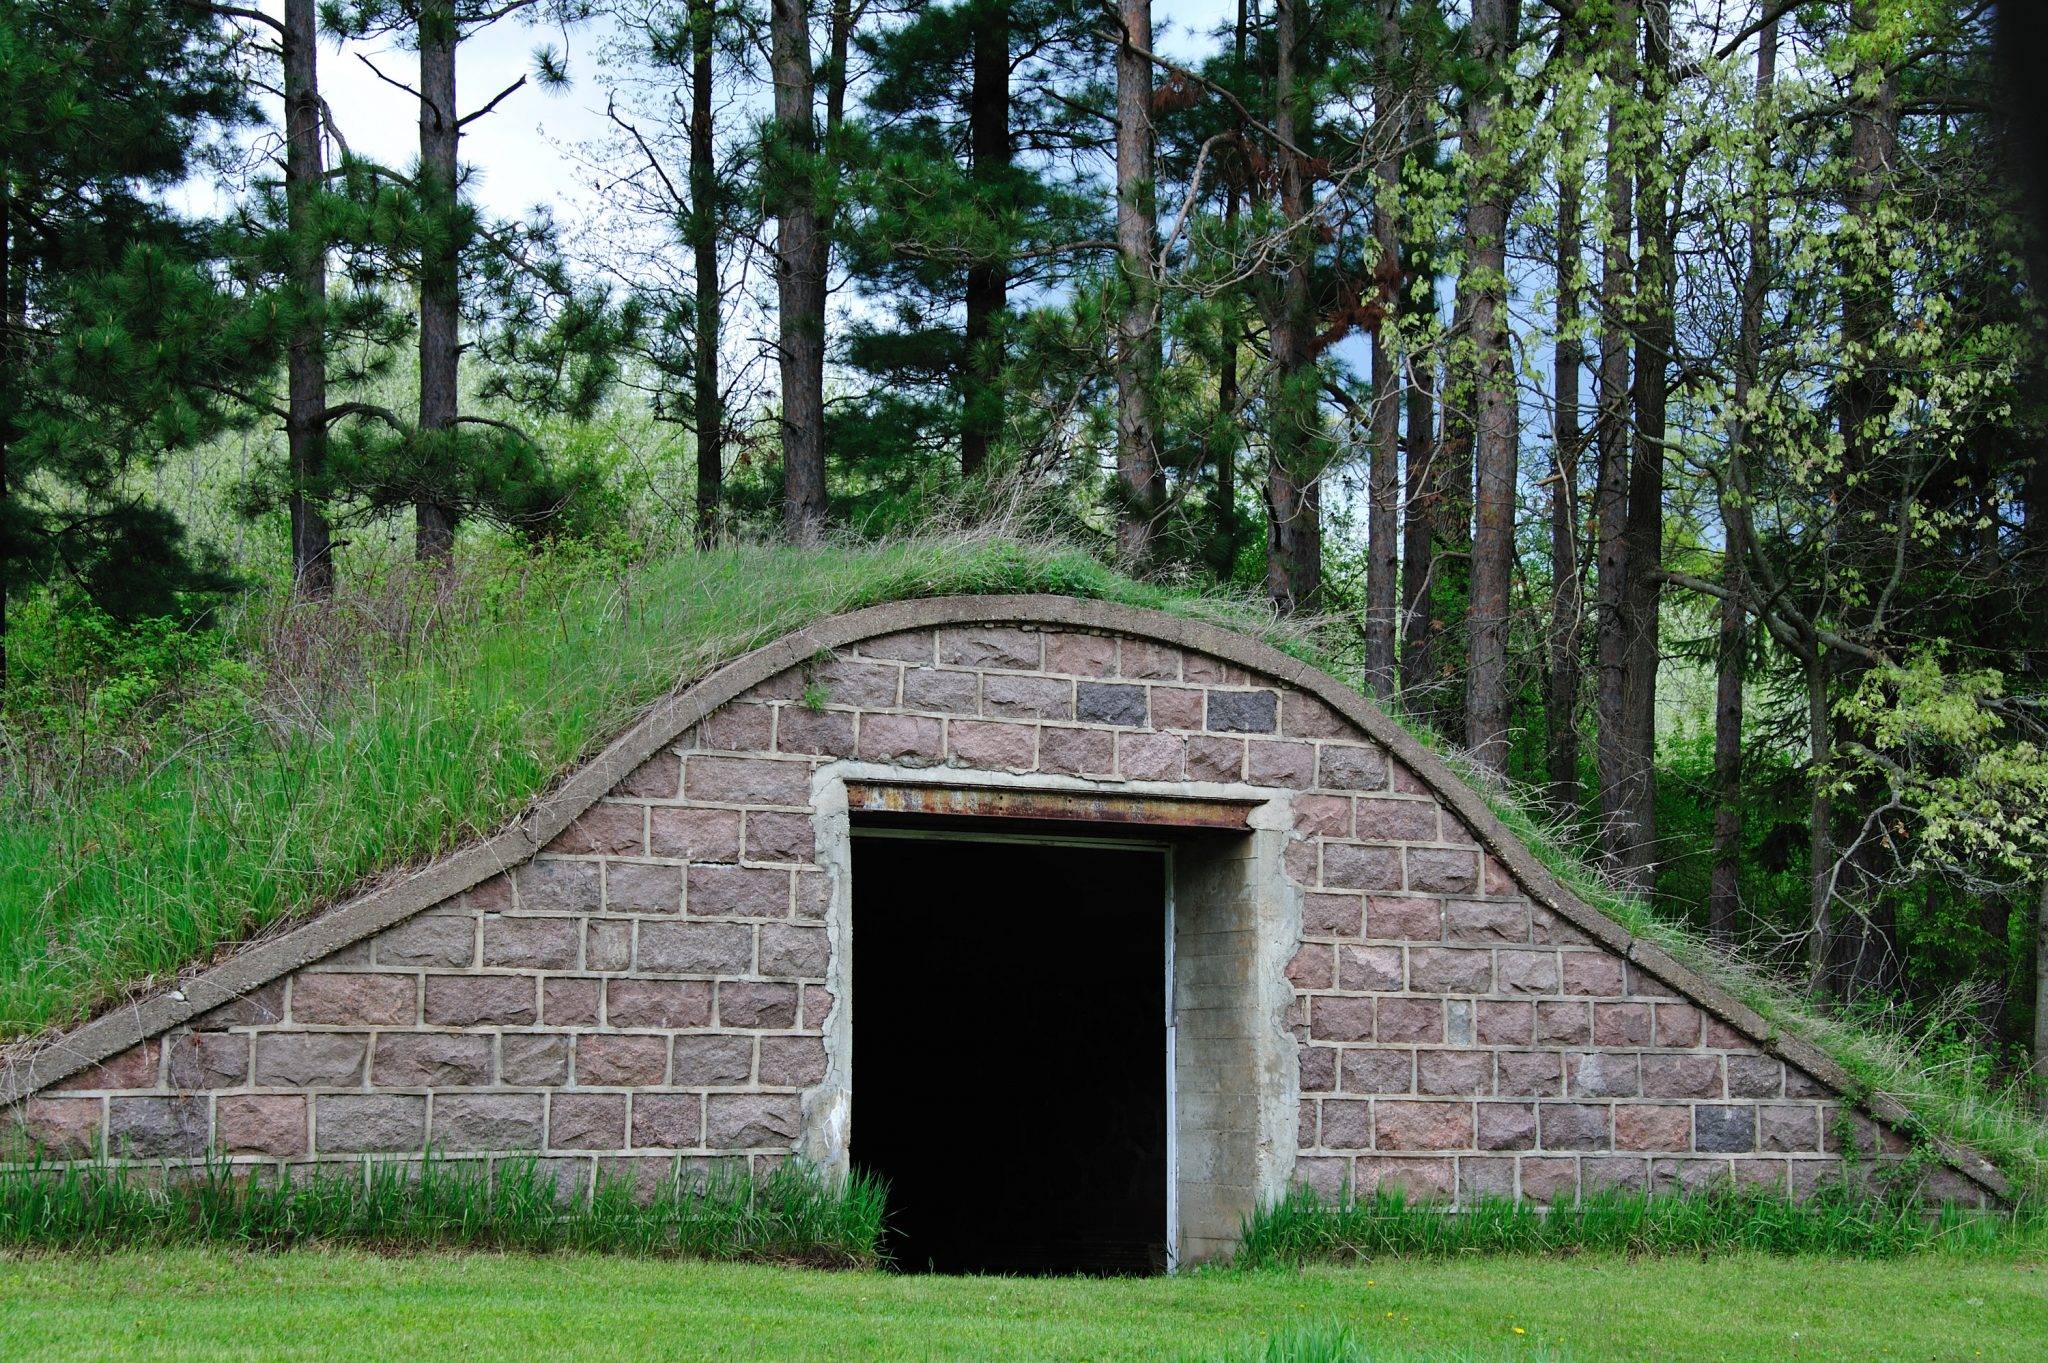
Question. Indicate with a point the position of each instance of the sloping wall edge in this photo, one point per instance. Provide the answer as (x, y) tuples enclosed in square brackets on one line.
[(36, 1064)]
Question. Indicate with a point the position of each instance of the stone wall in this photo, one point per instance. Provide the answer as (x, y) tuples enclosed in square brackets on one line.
[(657, 982)]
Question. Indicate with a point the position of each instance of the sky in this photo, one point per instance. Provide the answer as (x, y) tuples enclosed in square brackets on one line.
[(523, 152)]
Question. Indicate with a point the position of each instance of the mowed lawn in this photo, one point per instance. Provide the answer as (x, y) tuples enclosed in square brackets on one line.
[(480, 1308)]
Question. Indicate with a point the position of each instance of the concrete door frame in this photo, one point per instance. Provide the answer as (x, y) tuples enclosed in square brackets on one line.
[(1232, 924)]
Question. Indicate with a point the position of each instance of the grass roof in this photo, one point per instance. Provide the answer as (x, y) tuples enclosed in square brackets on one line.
[(460, 700)]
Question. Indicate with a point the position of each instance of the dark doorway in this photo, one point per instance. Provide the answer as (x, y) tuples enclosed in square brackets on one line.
[(1009, 1052)]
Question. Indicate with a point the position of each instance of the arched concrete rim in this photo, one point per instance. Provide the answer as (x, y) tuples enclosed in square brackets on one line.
[(39, 1064)]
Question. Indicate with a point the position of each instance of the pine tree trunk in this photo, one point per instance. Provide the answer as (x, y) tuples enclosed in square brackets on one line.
[(1383, 514), (1610, 496), (708, 402), (1724, 898), (1294, 542), (12, 320), (1229, 398), (988, 281), (1567, 603), (1421, 457), (440, 272), (1643, 593), (1451, 563), (799, 275), (2035, 561), (1140, 486), (306, 353), (1494, 444), (2041, 1001), (1228, 402)]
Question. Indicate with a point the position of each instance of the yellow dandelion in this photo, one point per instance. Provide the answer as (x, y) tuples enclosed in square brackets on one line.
[(1520, 1331)]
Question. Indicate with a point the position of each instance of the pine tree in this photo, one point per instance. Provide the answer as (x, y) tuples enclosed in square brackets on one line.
[(946, 217), (498, 290), (118, 345)]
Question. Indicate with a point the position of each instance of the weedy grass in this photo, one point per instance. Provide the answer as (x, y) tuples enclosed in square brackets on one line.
[(1306, 1228), (792, 1214), (1335, 1343), (494, 688)]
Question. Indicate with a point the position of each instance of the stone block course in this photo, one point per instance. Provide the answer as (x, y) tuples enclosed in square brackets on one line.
[(381, 1124), (902, 740), (529, 943), (261, 1124), (443, 941), (431, 1060), (664, 1004), (693, 949), (199, 1061), (511, 1122), (152, 1127), (569, 1002), (623, 1060), (586, 1121), (691, 834), (747, 780), (1018, 697), (992, 746), (552, 885), (478, 1000), (311, 1059), (803, 730), (639, 887), (533, 1059)]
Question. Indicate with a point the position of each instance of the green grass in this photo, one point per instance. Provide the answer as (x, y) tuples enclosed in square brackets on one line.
[(179, 1304), (791, 1214), (1304, 1228)]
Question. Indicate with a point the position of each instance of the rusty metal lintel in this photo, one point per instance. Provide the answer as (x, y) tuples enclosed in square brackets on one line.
[(1053, 806)]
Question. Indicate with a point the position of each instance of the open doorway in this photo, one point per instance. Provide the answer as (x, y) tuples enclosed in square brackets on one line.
[(1010, 1051)]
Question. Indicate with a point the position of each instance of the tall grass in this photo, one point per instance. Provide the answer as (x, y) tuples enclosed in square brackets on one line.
[(1334, 1343), (790, 1215), (488, 690), (1306, 1228)]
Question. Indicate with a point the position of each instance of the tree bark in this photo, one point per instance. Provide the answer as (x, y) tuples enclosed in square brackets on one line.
[(1494, 443), (708, 401), (306, 348), (799, 274), (1229, 398), (1422, 460), (440, 344), (1643, 592), (1567, 597), (1294, 541), (1141, 488), (988, 281), (1724, 898), (13, 317), (1383, 497), (1228, 402), (2041, 1001), (1610, 496)]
